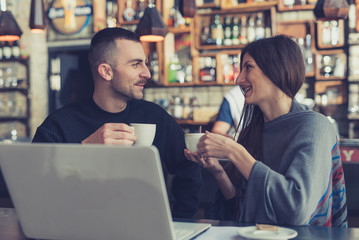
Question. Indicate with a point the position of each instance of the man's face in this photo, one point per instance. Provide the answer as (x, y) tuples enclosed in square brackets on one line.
[(130, 73)]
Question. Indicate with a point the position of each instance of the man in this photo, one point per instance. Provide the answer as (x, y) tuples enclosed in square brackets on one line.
[(118, 66)]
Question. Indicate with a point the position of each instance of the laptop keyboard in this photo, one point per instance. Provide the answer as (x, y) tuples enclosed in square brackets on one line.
[(183, 233)]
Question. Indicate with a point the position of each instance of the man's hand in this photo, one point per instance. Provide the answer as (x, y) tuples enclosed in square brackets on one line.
[(112, 133)]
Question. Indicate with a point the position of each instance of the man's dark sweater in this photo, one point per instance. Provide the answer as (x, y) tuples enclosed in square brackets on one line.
[(75, 122)]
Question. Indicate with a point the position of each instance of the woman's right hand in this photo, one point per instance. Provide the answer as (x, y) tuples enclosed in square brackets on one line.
[(210, 163)]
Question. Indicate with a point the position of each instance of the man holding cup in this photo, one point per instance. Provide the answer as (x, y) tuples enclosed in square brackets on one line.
[(118, 66)]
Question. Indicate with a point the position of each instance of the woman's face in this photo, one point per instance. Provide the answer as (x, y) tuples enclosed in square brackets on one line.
[(257, 87)]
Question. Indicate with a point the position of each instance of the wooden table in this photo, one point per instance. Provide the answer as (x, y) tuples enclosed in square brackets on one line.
[(11, 230)]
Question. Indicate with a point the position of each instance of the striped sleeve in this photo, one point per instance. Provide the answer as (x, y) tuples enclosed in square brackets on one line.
[(332, 208)]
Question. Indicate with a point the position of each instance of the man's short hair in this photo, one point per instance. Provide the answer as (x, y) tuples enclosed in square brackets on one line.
[(104, 41)]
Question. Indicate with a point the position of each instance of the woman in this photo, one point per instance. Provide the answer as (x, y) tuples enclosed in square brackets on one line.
[(286, 166)]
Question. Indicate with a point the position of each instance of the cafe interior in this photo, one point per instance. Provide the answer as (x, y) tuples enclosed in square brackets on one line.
[(193, 60)]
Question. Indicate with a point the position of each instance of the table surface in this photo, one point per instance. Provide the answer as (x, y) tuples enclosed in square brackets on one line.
[(11, 230)]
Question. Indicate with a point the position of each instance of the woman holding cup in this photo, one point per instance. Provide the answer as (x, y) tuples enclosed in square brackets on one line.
[(285, 167)]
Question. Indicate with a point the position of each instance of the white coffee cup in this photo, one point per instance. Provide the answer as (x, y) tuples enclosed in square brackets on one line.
[(145, 133), (192, 140)]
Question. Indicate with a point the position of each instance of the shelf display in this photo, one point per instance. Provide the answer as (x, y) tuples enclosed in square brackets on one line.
[(331, 65), (223, 30), (14, 100), (304, 34), (330, 34), (296, 5)]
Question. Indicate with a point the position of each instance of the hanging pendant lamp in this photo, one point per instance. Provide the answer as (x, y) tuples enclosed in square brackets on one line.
[(37, 16), (331, 9), (9, 29), (151, 27)]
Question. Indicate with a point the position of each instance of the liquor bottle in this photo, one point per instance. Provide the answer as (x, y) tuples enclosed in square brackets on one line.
[(235, 67), (15, 50), (326, 33), (251, 29), (227, 31), (205, 36), (243, 33), (172, 17), (7, 51), (140, 9), (129, 13), (173, 68), (235, 31), (154, 67), (260, 30), (334, 30), (289, 3), (308, 54), (189, 72), (302, 46), (217, 30), (207, 71)]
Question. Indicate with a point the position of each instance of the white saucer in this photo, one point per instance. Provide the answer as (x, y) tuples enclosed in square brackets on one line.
[(253, 233)]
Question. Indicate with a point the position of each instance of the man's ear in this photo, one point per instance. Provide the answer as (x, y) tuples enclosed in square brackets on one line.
[(105, 71)]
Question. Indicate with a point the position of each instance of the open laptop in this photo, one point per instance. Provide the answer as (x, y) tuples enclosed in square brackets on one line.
[(74, 191)]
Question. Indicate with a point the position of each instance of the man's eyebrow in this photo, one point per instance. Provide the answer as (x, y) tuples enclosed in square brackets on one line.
[(135, 60)]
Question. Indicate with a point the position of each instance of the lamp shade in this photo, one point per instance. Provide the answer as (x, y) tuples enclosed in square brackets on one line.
[(9, 30), (188, 8), (151, 27), (37, 16), (331, 9)]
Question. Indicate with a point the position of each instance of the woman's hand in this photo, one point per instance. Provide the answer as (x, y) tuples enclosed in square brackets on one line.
[(215, 145), (211, 164)]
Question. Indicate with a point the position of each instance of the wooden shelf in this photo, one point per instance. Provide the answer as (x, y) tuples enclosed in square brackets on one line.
[(180, 30), (220, 47), (334, 53), (255, 6), (191, 122), (353, 116)]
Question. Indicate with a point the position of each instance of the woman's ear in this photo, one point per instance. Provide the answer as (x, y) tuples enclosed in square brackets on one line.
[(105, 71)]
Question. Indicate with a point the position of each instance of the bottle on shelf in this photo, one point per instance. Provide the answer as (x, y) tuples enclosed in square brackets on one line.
[(235, 30), (289, 3), (235, 67), (172, 17), (174, 66), (217, 30), (7, 51), (228, 69), (111, 12), (189, 77), (129, 13), (15, 50), (187, 110), (260, 30), (308, 54), (207, 72), (175, 18), (205, 36), (140, 9), (251, 29), (243, 38), (227, 31), (353, 105), (334, 32), (154, 67), (326, 33)]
